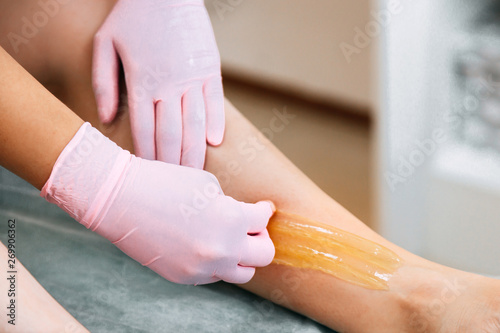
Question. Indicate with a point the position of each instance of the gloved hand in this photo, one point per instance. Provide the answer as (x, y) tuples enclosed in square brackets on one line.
[(172, 73), (171, 218)]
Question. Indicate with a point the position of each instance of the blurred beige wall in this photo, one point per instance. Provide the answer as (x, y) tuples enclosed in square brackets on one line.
[(295, 45)]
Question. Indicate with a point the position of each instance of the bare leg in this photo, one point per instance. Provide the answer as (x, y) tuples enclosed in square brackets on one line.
[(422, 296), (36, 310)]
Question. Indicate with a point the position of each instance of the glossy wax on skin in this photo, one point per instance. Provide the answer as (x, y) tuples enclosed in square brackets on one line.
[(304, 243)]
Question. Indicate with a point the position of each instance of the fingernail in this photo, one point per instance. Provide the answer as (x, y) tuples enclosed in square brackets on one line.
[(273, 207), (103, 116), (215, 140)]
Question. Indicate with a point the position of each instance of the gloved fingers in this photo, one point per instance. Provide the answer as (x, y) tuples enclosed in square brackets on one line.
[(258, 215), (169, 130), (259, 251), (239, 275), (194, 144), (214, 102), (142, 122), (212, 279), (105, 68), (165, 270)]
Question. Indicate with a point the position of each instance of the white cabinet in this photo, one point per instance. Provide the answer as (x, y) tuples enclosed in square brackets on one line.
[(438, 156)]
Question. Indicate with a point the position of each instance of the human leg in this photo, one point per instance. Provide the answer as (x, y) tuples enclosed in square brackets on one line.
[(34, 309), (422, 295)]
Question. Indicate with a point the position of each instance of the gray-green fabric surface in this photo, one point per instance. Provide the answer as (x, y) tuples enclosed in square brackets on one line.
[(109, 292)]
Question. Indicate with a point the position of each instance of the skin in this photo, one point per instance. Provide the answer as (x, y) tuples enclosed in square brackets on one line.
[(422, 296), (31, 141), (36, 310)]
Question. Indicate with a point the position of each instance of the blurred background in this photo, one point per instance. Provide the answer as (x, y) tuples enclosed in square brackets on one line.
[(396, 109), (285, 54)]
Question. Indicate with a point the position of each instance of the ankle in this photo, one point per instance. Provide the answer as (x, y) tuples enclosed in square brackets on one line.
[(429, 296)]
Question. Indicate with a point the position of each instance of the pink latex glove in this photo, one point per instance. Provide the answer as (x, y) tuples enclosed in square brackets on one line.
[(173, 219), (172, 72)]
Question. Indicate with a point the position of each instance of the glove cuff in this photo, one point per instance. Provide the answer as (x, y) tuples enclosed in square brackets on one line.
[(85, 176)]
